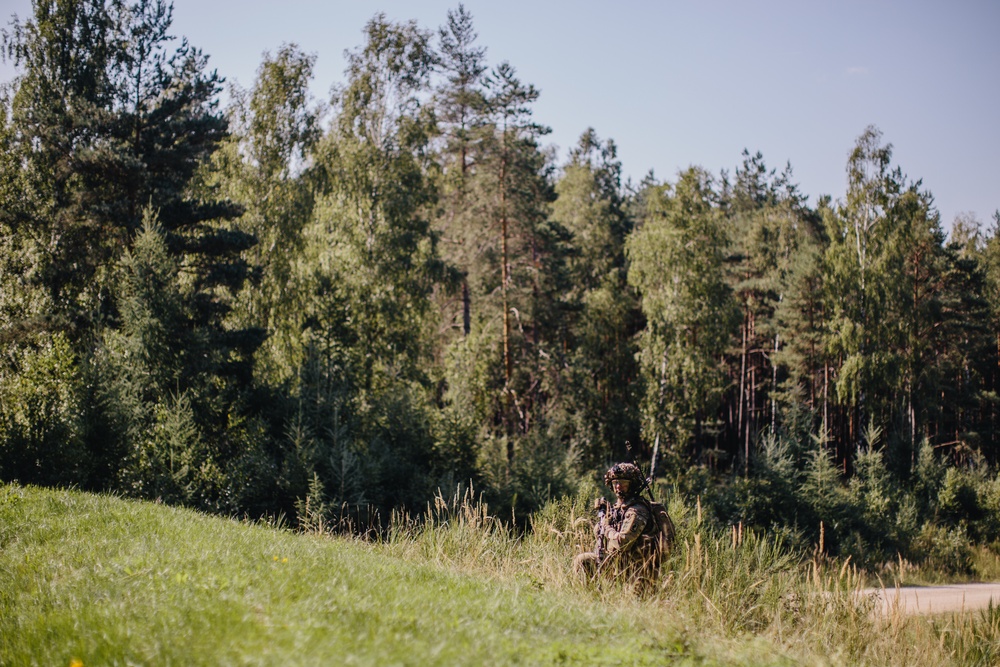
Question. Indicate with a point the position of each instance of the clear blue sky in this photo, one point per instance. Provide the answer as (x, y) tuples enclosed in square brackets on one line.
[(676, 84)]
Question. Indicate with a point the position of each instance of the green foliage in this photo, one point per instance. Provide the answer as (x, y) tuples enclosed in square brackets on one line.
[(943, 549), (151, 341), (885, 521), (302, 316), (459, 101), (371, 254), (504, 342), (42, 429), (957, 500), (676, 258), (267, 167), (163, 400), (96, 111), (773, 269), (602, 313), (887, 254), (928, 477), (823, 490), (137, 269), (348, 342), (172, 462), (543, 469), (772, 496)]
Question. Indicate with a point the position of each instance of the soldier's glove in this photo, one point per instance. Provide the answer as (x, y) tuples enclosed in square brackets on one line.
[(601, 504)]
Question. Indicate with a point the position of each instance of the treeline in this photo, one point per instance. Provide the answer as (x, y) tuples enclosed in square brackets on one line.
[(291, 306)]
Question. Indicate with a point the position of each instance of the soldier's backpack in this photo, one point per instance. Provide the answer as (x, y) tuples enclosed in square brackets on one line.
[(661, 527)]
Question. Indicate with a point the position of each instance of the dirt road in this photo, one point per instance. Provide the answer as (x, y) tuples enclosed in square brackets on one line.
[(935, 599)]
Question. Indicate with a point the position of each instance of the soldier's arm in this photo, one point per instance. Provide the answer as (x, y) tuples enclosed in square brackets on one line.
[(634, 522)]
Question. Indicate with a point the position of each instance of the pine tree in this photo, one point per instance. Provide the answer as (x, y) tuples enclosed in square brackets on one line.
[(60, 105), (460, 100), (520, 191), (770, 225), (602, 316), (107, 121), (169, 395), (460, 107)]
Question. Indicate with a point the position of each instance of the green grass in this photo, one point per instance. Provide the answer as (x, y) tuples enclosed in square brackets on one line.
[(106, 581)]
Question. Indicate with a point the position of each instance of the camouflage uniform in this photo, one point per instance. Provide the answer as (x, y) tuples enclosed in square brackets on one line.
[(623, 534)]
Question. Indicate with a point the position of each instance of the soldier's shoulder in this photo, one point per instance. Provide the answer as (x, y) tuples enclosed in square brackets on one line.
[(639, 505)]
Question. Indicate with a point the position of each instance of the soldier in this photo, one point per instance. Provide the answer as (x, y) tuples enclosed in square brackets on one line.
[(626, 542)]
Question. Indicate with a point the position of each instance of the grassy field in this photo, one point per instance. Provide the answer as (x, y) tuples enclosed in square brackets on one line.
[(96, 580)]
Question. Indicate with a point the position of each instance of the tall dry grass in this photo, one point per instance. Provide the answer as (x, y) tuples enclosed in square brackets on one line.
[(742, 592)]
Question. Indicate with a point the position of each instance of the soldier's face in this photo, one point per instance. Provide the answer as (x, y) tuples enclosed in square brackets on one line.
[(620, 486)]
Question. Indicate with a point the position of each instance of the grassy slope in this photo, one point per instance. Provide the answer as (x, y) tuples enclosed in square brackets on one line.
[(108, 581)]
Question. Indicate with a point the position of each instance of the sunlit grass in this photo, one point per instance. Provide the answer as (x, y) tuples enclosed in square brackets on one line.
[(105, 581), (100, 581)]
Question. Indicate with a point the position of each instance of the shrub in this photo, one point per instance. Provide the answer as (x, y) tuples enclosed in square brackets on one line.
[(957, 500), (172, 462), (943, 549), (988, 527), (885, 517), (41, 415)]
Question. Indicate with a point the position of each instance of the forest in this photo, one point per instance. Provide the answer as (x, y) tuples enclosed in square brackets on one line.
[(288, 307)]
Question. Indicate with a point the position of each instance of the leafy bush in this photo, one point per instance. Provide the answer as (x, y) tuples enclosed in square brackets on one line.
[(943, 549), (42, 415), (988, 527), (542, 469), (958, 501)]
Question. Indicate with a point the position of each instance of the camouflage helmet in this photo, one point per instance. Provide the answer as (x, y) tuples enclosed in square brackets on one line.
[(625, 471)]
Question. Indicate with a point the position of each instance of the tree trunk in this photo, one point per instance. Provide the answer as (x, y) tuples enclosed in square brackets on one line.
[(742, 400), (504, 283)]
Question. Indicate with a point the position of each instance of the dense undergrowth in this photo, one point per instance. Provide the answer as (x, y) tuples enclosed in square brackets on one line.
[(104, 581)]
